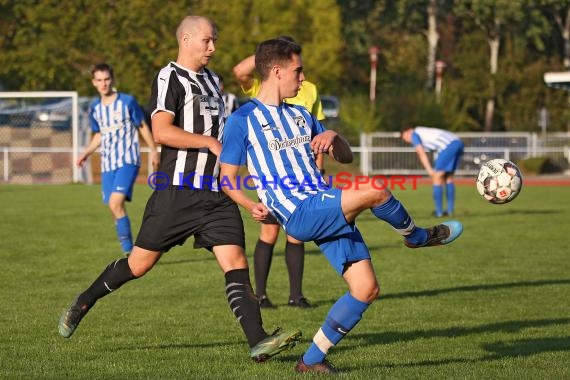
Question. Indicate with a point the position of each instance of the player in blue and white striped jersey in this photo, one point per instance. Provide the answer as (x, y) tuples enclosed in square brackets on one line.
[(278, 143), (116, 120), (308, 97), (449, 148)]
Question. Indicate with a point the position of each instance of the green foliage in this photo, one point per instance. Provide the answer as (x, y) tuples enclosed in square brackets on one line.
[(57, 43), (538, 165), (358, 115), (148, 37), (51, 45), (314, 24)]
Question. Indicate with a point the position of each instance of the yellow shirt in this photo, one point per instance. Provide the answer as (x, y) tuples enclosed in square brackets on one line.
[(307, 97)]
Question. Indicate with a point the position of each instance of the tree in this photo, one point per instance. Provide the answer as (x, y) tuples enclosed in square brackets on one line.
[(56, 42), (432, 39), (316, 25), (492, 17), (559, 11), (37, 54), (495, 51)]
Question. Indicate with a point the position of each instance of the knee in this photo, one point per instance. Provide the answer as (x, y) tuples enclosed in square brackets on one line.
[(292, 240), (373, 293), (117, 209), (380, 196), (139, 269), (269, 233), (439, 178), (367, 292)]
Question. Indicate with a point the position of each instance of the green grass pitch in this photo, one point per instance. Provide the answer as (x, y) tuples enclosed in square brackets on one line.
[(494, 304)]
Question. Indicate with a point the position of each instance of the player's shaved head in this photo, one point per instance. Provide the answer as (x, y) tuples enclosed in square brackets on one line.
[(190, 24), (196, 36)]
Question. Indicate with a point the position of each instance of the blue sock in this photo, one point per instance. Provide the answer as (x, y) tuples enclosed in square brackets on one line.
[(450, 191), (123, 226), (342, 317), (395, 214), (438, 199)]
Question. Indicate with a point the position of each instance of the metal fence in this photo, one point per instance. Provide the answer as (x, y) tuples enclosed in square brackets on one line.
[(38, 137), (387, 153), (42, 134)]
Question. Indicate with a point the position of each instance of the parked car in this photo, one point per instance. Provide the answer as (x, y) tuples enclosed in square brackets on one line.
[(331, 106), (16, 113), (51, 112), (57, 112)]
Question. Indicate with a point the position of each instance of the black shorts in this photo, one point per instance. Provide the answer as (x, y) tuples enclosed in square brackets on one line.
[(172, 215), (269, 219)]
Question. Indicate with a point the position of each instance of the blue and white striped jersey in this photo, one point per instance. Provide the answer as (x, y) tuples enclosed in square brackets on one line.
[(432, 139), (118, 124), (274, 142)]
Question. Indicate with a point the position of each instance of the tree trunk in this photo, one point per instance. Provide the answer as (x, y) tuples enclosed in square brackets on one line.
[(432, 38), (566, 38), (564, 27), (494, 44), (489, 111)]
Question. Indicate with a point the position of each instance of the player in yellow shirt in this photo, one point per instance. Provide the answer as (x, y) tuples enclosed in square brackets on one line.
[(308, 97)]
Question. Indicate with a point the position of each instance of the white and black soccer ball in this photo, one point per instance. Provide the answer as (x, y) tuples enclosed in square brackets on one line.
[(499, 181)]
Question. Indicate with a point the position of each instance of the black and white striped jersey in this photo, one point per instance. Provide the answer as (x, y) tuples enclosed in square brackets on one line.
[(196, 102)]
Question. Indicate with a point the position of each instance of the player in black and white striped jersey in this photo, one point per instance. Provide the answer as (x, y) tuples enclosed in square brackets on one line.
[(194, 101), (187, 113)]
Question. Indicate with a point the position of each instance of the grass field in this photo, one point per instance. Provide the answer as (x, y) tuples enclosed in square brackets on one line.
[(493, 305)]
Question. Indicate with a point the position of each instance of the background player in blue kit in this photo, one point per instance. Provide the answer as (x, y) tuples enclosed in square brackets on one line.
[(116, 118), (449, 148), (277, 140)]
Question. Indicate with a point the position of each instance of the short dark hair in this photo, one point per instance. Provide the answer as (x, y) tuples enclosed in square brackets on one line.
[(274, 51), (405, 127), (286, 38), (102, 67)]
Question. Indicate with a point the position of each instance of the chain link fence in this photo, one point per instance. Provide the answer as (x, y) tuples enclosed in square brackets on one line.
[(41, 134)]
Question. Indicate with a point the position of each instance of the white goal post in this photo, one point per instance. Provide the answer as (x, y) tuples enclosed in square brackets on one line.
[(37, 123)]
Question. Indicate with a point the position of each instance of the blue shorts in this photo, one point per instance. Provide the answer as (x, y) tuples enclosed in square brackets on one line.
[(448, 159), (120, 180), (319, 218)]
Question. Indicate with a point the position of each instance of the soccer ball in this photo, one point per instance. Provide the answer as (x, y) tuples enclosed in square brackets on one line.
[(499, 181)]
